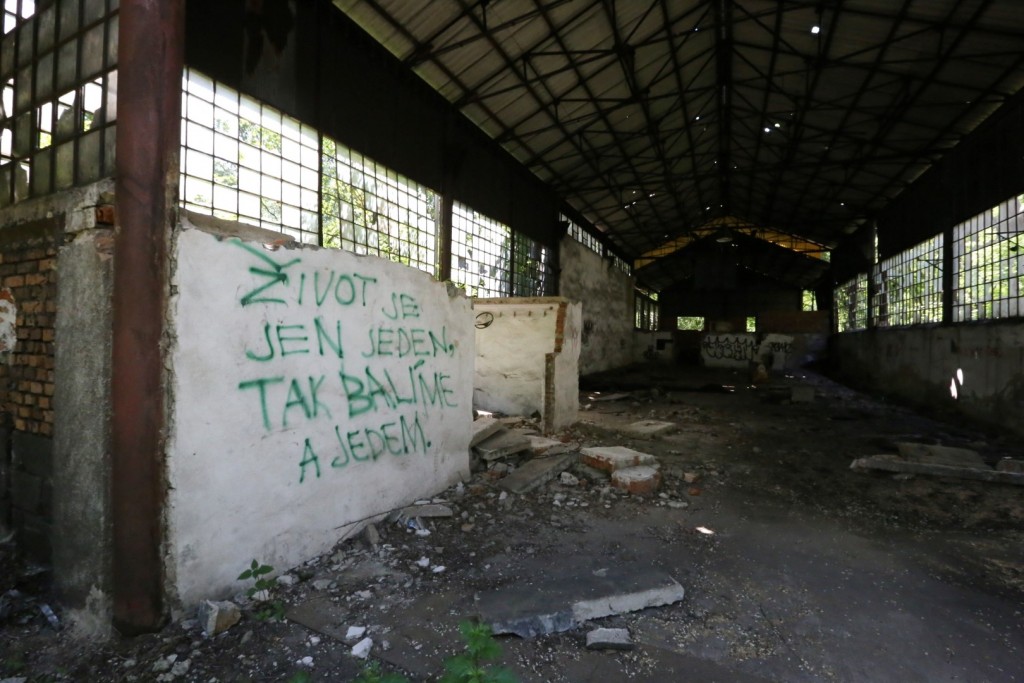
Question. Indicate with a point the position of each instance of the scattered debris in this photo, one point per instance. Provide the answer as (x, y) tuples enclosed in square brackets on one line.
[(50, 616), (536, 473), (609, 639), (217, 617), (568, 479), (565, 602), (355, 633)]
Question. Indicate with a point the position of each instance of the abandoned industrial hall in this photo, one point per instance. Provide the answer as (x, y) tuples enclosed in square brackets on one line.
[(491, 340)]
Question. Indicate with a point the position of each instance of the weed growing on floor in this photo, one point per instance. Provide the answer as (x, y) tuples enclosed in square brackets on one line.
[(261, 591), (372, 674), (470, 667)]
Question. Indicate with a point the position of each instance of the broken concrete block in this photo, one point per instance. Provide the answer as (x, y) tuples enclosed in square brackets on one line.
[(639, 480), (362, 648), (372, 535), (536, 473), (217, 617), (650, 429), (595, 476), (354, 633), (433, 510), (561, 604), (483, 428), (802, 393), (568, 479), (541, 445), (502, 445), (1009, 465), (691, 477), (609, 639), (611, 458), (940, 455), (893, 463)]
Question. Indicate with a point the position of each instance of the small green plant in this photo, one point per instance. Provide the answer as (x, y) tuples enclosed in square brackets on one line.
[(371, 674), (469, 667), (261, 591)]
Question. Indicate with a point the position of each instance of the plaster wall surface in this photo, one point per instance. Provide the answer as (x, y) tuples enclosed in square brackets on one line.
[(920, 365), (526, 358), (738, 350), (312, 389), (82, 536), (606, 335)]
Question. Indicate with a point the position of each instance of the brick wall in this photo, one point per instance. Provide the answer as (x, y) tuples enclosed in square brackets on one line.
[(28, 286)]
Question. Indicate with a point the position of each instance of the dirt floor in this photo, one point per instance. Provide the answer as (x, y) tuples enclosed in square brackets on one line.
[(810, 572)]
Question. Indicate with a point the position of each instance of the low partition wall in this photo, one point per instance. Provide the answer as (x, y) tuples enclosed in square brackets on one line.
[(528, 358), (311, 390), (975, 369)]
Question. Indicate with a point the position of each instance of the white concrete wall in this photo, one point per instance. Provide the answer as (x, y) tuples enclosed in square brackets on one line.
[(311, 389), (606, 335), (527, 354)]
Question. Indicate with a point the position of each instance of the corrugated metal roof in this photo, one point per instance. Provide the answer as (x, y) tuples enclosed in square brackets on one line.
[(652, 117)]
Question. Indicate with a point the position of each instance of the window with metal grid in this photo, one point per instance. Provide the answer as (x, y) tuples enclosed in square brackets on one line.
[(646, 310), (58, 97), (908, 286), (531, 274), (988, 263), (582, 236), (370, 209), (851, 304), (621, 265), (481, 253), (242, 160)]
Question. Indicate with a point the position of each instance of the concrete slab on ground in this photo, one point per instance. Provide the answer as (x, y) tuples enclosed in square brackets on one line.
[(483, 428), (502, 445), (611, 458), (894, 463), (940, 455), (541, 445), (537, 472), (535, 608), (650, 429)]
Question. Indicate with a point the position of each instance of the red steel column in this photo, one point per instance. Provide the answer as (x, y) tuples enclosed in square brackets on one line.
[(150, 57)]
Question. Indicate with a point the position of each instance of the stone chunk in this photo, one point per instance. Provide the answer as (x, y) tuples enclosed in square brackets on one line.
[(650, 429), (535, 473), (609, 639), (940, 455), (217, 617), (483, 428), (362, 648), (502, 445), (1008, 465), (611, 458), (639, 480)]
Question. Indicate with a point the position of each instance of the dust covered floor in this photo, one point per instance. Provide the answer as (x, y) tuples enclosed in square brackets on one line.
[(810, 572)]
